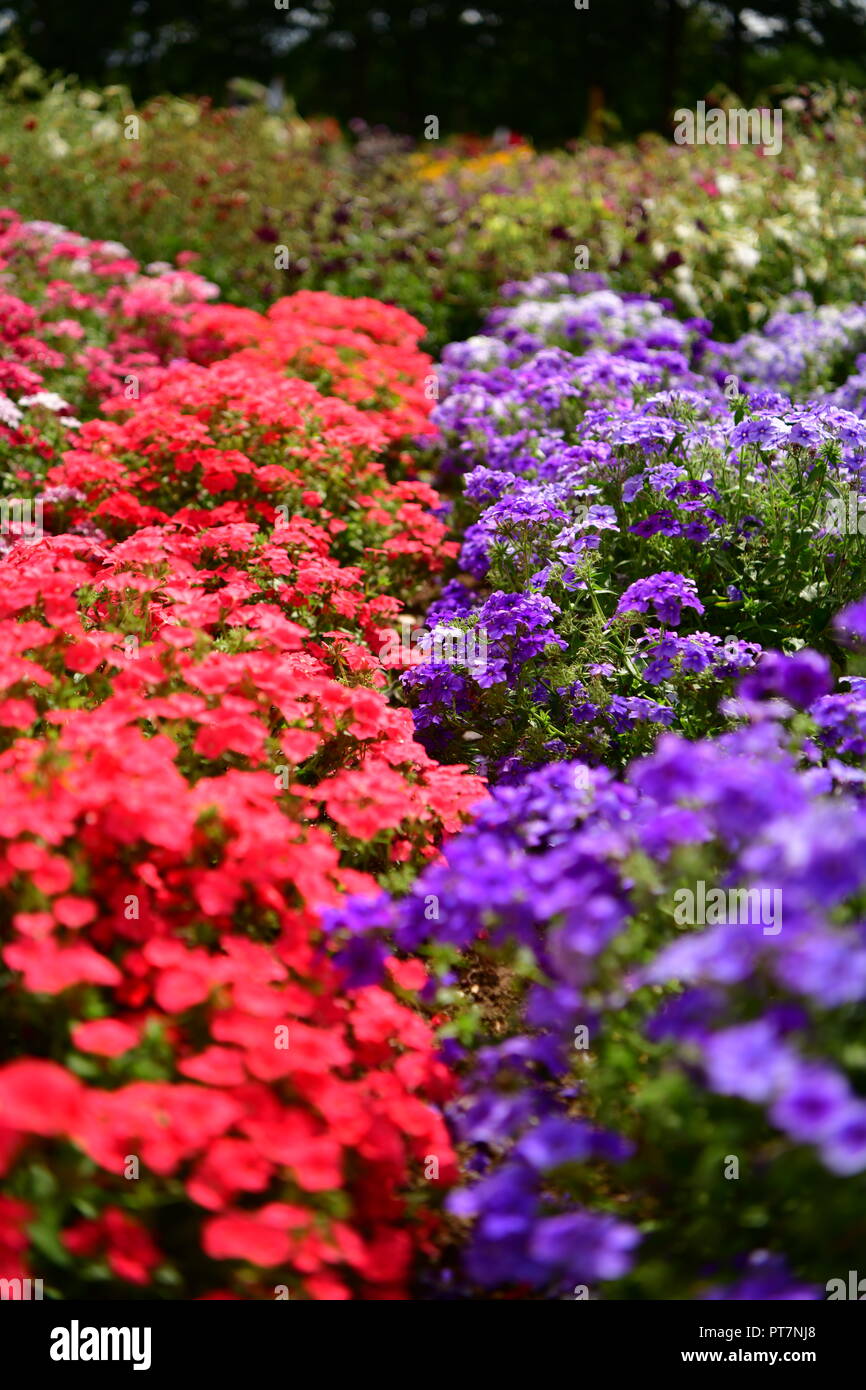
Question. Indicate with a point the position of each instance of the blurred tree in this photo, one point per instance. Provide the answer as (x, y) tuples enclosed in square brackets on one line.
[(475, 66)]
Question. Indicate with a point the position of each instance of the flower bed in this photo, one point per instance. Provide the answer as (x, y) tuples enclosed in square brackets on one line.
[(662, 1078), (257, 948), (270, 204), (198, 756)]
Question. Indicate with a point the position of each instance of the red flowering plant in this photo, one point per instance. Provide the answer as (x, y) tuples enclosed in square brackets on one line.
[(359, 349), (239, 441), (197, 755), (79, 320), (88, 326)]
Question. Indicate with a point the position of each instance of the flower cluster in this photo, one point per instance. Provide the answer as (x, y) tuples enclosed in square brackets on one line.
[(800, 348), (80, 320), (358, 349), (283, 981)]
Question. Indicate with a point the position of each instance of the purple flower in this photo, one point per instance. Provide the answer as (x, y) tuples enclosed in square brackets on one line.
[(662, 523), (812, 1104), (801, 679), (558, 1140), (748, 1061), (844, 1148), (363, 960), (852, 620), (625, 711), (584, 1245), (666, 593), (768, 1280)]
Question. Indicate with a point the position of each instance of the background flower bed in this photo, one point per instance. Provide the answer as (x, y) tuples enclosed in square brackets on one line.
[(437, 228)]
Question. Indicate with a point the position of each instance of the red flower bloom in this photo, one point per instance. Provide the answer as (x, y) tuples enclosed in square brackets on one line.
[(106, 1036), (39, 1097)]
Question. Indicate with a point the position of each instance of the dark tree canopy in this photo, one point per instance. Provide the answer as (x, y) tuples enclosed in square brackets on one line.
[(534, 68)]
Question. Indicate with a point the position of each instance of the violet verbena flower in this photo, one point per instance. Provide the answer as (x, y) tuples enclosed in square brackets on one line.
[(666, 594), (852, 620), (544, 869), (800, 679), (767, 1280)]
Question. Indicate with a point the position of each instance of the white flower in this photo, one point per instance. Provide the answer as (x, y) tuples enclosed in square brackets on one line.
[(744, 255), (9, 413), (49, 399), (104, 130), (116, 248), (805, 202), (52, 231), (56, 146), (782, 233)]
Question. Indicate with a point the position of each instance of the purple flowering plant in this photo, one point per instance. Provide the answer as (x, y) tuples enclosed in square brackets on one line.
[(645, 1097), (633, 535), (650, 944)]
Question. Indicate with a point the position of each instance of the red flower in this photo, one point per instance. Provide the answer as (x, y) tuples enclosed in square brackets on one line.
[(74, 912), (106, 1036), (39, 1097), (129, 1250), (408, 974), (260, 1238), (49, 969)]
